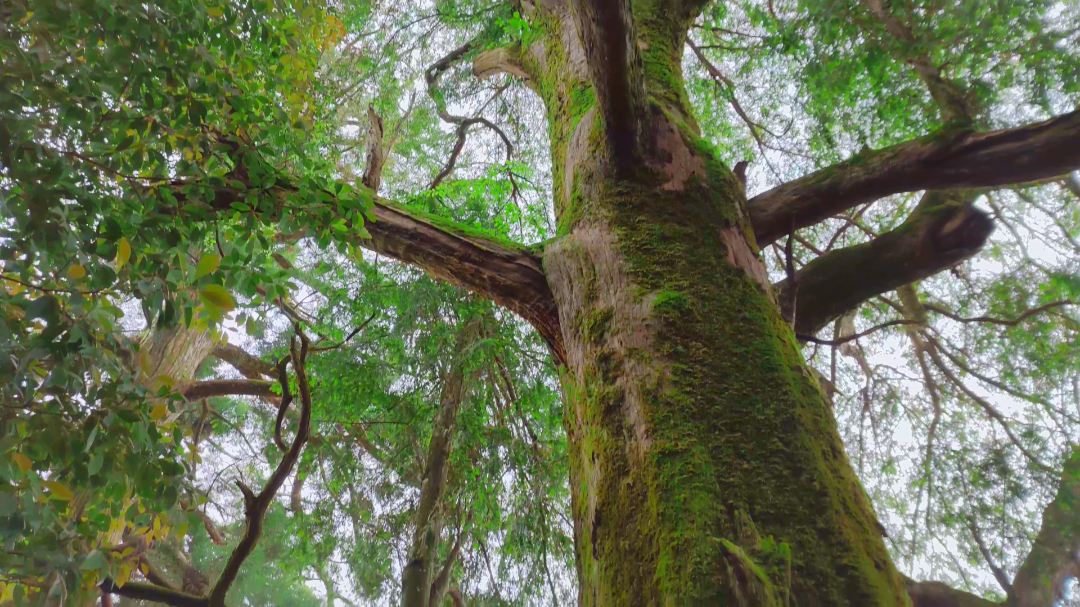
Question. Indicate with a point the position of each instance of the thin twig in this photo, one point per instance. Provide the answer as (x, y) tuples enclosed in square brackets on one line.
[(844, 340), (1005, 322)]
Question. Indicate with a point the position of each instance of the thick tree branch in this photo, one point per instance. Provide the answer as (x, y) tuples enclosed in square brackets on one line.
[(943, 231), (417, 578), (937, 594), (507, 274), (229, 387), (606, 30), (502, 60), (154, 593), (503, 272), (252, 367), (935, 162)]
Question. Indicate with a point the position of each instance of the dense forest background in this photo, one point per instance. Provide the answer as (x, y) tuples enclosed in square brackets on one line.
[(183, 193)]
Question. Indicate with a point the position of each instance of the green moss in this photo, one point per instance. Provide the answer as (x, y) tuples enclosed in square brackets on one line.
[(670, 302), (742, 446), (734, 422)]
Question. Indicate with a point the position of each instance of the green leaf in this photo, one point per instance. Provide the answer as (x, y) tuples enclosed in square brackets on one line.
[(217, 297), (123, 253), (95, 561), (95, 463), (208, 264)]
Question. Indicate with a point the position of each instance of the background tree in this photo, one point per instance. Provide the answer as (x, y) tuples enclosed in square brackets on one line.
[(221, 182)]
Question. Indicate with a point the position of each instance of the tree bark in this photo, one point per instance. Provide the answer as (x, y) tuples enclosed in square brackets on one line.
[(706, 466), (1055, 552)]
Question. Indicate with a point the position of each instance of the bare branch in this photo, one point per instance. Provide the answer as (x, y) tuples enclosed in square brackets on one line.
[(985, 405), (844, 340), (256, 506), (999, 574), (940, 161), (1005, 322)]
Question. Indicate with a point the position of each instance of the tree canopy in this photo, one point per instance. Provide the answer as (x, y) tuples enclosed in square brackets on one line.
[(274, 319)]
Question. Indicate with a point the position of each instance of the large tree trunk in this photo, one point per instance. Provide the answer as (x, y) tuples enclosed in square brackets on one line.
[(706, 466)]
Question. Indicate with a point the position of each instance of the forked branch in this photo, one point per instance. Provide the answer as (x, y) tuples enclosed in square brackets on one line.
[(255, 506)]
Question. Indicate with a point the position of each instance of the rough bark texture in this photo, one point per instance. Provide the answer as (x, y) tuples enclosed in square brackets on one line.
[(706, 467), (175, 352), (943, 231)]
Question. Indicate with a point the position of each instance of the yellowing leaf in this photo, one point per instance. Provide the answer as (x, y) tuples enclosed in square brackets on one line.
[(145, 363), (164, 381), (24, 462), (218, 297), (76, 271), (216, 13), (207, 265), (123, 575), (116, 526), (59, 490), (123, 253), (159, 412)]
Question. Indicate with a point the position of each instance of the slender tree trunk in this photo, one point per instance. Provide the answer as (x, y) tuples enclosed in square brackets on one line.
[(706, 466), (417, 589)]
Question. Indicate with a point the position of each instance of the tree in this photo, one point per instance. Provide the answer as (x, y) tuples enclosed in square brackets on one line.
[(705, 459)]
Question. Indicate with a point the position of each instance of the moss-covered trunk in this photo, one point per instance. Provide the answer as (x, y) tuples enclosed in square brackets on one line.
[(706, 467)]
